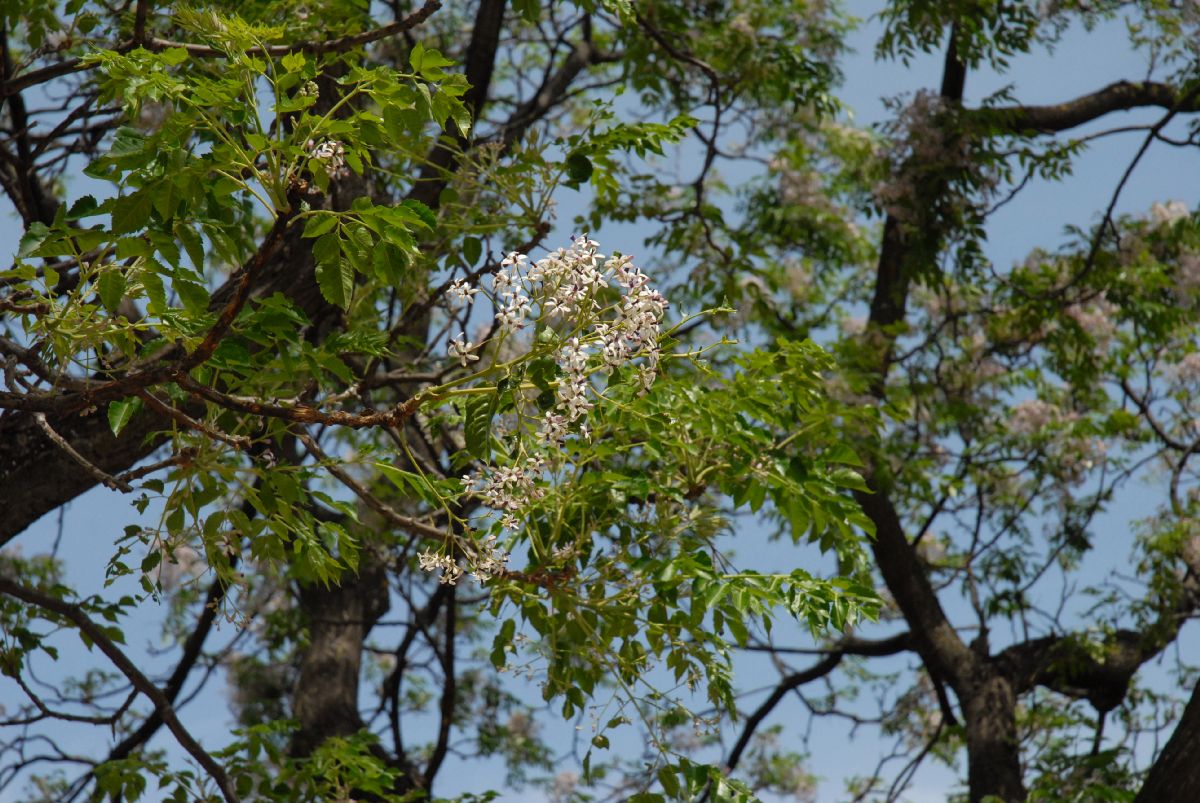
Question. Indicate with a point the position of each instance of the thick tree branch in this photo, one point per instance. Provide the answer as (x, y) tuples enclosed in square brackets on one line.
[(1116, 97)]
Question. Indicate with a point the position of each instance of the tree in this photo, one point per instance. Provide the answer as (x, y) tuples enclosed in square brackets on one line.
[(262, 309), (256, 328)]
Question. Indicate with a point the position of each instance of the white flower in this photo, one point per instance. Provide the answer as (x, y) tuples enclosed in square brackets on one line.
[(512, 315), (1187, 281), (460, 349), (1188, 369), (853, 326), (460, 293), (1168, 213), (183, 565), (1031, 416), (55, 40), (430, 561), (1095, 318), (333, 156)]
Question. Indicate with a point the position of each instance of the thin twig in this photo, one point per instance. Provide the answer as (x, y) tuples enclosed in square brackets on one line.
[(107, 480), (162, 705), (236, 441), (372, 501)]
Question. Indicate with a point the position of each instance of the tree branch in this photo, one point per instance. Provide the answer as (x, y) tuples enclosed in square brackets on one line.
[(1116, 97), (162, 705)]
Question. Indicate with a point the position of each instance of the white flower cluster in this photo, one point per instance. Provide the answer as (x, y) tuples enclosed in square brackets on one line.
[(57, 40), (1168, 213), (1075, 454), (1095, 318), (180, 566), (460, 294), (484, 559), (332, 155), (563, 289), (431, 561), (923, 143), (1032, 416), (1187, 278), (1187, 370), (509, 488)]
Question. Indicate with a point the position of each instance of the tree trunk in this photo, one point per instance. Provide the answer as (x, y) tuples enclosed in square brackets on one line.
[(1175, 776), (339, 619), (993, 750)]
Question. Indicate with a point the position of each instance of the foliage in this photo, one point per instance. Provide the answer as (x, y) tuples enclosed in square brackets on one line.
[(290, 279)]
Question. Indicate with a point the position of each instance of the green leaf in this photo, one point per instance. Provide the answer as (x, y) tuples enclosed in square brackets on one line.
[(669, 781), (192, 243), (478, 411), (132, 212), (422, 211), (84, 207), (293, 62), (111, 287), (472, 249), (120, 413), (174, 56), (32, 239), (579, 169), (428, 63), (335, 278), (192, 295), (318, 224), (407, 482), (528, 10)]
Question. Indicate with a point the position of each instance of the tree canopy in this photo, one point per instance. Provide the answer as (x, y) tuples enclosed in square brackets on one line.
[(435, 480)]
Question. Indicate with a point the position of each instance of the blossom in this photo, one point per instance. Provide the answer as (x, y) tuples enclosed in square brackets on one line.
[(511, 488), (57, 40), (1187, 281), (1188, 369), (512, 315), (431, 561), (853, 326), (486, 560), (460, 349), (460, 293), (1168, 213), (180, 565), (1031, 416), (332, 154), (1095, 318)]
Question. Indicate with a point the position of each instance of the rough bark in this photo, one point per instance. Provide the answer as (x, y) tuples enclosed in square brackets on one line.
[(339, 619), (1175, 776), (1116, 97), (993, 750)]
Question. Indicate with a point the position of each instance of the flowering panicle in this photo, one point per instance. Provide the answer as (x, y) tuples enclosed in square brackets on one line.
[(430, 561), (563, 292)]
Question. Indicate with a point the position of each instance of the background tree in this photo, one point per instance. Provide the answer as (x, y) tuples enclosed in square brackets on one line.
[(303, 421)]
